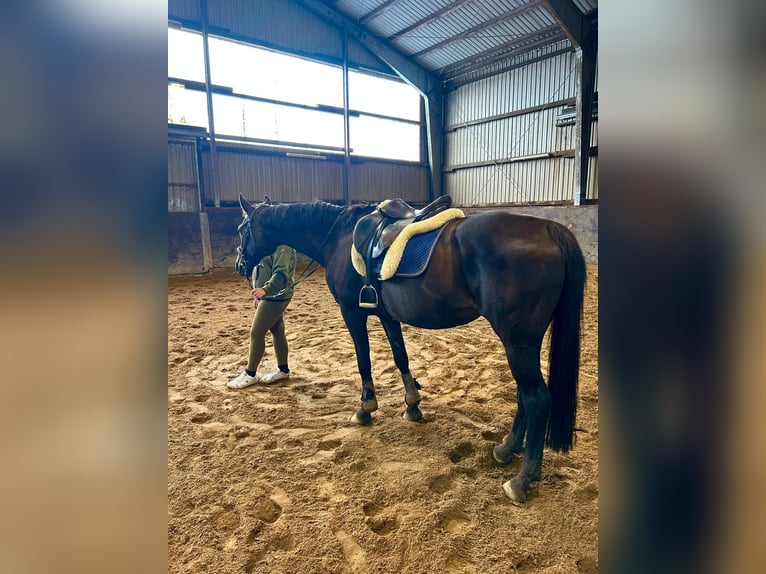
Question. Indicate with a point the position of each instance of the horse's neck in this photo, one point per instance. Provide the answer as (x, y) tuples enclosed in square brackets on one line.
[(308, 233)]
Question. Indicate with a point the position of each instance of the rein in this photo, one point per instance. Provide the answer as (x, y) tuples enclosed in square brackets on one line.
[(303, 276)]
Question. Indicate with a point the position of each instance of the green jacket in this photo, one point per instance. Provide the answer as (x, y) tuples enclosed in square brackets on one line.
[(275, 272)]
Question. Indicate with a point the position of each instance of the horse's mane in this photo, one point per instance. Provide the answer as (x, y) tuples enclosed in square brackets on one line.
[(316, 215)]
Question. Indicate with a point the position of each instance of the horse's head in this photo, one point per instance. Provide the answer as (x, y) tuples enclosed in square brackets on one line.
[(253, 244)]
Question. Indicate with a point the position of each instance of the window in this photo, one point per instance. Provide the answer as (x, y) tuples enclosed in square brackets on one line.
[(186, 58), (267, 97), (251, 119), (368, 93), (186, 62), (384, 137), (186, 107), (266, 74), (376, 137)]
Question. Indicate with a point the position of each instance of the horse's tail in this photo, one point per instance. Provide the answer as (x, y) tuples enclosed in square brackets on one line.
[(564, 359)]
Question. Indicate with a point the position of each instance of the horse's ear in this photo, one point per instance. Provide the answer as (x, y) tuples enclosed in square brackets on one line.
[(266, 200), (246, 206)]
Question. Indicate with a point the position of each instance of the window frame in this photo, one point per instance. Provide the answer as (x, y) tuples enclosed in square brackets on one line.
[(217, 89)]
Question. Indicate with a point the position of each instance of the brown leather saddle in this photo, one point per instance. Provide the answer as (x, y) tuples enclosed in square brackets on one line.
[(374, 233)]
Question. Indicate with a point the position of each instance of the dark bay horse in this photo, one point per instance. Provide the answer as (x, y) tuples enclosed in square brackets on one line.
[(521, 273)]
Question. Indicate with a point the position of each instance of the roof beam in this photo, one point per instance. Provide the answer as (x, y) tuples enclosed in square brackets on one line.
[(430, 18), (479, 72), (478, 28), (411, 72), (511, 48), (574, 23), (373, 13)]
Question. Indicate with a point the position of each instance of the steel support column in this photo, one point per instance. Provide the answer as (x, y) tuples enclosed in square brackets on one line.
[(213, 183), (429, 86), (434, 108), (585, 58), (346, 129), (582, 31)]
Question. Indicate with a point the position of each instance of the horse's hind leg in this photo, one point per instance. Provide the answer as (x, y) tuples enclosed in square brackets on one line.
[(509, 449), (357, 326), (411, 395), (536, 401)]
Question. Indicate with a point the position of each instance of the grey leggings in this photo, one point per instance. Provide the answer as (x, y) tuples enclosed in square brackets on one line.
[(268, 317)]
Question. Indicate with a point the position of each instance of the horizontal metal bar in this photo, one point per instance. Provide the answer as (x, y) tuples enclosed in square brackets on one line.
[(385, 117), (501, 161), (227, 91), (305, 155), (243, 139), (538, 108)]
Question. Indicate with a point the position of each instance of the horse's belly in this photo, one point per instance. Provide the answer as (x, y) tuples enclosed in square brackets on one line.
[(437, 322), (411, 308)]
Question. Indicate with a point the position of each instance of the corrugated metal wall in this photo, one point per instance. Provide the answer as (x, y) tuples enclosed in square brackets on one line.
[(276, 22), (488, 162), (183, 190), (291, 179), (371, 180), (280, 24), (184, 10), (530, 85), (281, 178)]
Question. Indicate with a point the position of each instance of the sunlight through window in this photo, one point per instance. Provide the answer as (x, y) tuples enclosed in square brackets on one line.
[(263, 96)]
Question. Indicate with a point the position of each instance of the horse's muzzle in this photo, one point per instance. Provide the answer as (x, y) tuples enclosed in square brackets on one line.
[(240, 264)]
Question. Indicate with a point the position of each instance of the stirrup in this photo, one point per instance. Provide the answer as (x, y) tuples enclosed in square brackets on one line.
[(368, 297)]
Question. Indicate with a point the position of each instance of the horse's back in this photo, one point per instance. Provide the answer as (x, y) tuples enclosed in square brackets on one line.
[(508, 234), (486, 260)]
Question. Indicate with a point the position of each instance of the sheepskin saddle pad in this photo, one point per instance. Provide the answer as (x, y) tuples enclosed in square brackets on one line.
[(397, 240)]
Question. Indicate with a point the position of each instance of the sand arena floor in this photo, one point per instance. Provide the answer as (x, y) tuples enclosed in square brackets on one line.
[(274, 479)]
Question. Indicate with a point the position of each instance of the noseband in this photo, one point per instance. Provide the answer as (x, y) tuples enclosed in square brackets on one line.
[(243, 265)]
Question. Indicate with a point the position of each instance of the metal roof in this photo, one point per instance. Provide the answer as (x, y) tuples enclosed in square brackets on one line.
[(452, 38)]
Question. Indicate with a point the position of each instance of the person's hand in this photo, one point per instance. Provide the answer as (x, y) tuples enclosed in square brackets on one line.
[(257, 293)]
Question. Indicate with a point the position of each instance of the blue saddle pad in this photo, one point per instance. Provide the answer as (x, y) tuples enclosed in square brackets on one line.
[(417, 252)]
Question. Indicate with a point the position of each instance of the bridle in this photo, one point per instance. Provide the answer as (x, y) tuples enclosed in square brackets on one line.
[(242, 264)]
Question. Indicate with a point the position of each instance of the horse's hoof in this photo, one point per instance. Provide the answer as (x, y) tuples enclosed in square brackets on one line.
[(503, 455), (414, 417), (361, 418), (515, 491), (370, 406)]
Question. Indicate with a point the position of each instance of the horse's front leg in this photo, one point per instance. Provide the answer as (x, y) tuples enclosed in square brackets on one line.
[(411, 395), (356, 321)]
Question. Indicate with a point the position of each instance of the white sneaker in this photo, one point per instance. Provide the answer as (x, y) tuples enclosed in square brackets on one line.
[(243, 380), (274, 376)]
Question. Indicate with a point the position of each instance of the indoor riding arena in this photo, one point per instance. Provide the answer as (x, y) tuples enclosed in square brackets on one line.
[(311, 102)]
